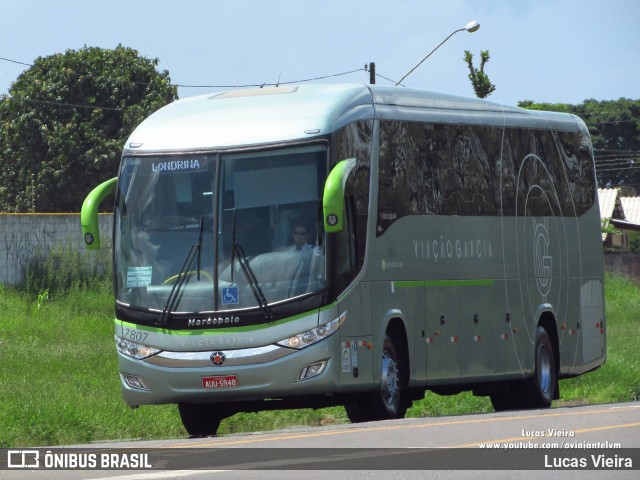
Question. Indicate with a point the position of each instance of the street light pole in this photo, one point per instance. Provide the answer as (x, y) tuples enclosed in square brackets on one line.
[(469, 27)]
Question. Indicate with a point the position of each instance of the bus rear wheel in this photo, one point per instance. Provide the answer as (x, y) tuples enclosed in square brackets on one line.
[(200, 419), (540, 388), (386, 401), (537, 391)]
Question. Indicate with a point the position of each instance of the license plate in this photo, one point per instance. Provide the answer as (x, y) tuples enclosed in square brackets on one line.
[(222, 381)]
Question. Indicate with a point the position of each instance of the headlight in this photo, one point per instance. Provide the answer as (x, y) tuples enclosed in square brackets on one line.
[(134, 350), (305, 339)]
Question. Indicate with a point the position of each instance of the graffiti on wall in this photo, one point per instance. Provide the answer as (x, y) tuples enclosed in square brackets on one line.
[(22, 237), (20, 247)]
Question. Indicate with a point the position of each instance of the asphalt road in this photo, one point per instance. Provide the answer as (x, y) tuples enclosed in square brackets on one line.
[(563, 442)]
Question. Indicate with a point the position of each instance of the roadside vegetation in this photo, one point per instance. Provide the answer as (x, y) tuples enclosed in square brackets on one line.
[(59, 383)]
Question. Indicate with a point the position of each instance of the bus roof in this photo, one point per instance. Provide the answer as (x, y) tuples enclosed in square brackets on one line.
[(272, 115)]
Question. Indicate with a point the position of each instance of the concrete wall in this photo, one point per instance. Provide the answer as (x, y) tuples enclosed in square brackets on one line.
[(22, 236), (623, 263)]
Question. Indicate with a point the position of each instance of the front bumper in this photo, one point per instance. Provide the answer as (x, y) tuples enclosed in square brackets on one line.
[(266, 372)]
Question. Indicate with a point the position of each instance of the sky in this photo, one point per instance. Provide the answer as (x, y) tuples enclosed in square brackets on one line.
[(557, 51)]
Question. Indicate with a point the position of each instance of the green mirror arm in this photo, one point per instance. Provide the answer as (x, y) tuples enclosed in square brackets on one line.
[(89, 213), (333, 195)]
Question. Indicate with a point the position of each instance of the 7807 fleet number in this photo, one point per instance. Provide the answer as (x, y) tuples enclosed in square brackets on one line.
[(134, 335)]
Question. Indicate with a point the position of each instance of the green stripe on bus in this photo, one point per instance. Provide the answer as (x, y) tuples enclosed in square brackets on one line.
[(410, 283), (445, 283)]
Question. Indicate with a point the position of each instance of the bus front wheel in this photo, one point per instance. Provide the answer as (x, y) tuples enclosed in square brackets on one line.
[(200, 419), (386, 401)]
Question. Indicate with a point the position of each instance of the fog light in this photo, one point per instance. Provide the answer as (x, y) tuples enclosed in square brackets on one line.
[(135, 382), (311, 370)]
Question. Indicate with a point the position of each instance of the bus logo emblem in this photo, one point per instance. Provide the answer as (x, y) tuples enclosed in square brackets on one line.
[(218, 358), (542, 261), (332, 219)]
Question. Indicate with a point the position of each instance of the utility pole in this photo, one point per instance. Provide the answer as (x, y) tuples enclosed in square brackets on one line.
[(372, 73)]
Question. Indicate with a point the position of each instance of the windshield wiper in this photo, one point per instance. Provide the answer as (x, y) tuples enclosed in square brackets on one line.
[(253, 281), (194, 254), (238, 251)]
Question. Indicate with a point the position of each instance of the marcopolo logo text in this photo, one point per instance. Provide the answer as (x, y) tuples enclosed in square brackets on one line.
[(212, 321)]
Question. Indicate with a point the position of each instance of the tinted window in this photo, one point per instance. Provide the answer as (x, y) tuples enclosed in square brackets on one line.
[(442, 169)]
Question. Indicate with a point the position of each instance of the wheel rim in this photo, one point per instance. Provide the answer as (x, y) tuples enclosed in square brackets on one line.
[(544, 369), (390, 381)]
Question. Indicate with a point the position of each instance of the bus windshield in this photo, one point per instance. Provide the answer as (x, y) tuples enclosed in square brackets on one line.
[(222, 231)]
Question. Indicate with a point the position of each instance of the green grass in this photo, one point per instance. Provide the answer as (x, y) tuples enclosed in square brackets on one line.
[(59, 382), (619, 379)]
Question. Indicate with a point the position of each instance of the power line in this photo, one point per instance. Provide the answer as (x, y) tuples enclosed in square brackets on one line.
[(617, 156), (614, 121), (618, 163), (323, 77), (614, 150), (615, 164), (628, 157), (385, 78), (616, 160), (617, 170), (613, 155), (609, 152), (179, 85), (15, 61), (76, 105), (609, 168), (71, 105)]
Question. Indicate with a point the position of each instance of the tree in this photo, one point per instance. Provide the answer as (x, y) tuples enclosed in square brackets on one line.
[(63, 126), (480, 81), (614, 126)]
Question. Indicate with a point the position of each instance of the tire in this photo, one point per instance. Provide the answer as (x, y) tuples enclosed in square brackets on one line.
[(200, 419), (386, 402), (539, 390)]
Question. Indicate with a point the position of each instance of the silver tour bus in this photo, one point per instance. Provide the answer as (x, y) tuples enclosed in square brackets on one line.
[(306, 246)]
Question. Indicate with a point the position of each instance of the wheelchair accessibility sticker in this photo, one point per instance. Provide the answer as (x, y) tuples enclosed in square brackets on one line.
[(230, 295)]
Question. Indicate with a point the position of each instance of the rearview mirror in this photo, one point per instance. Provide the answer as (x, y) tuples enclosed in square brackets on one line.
[(333, 196), (89, 213)]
